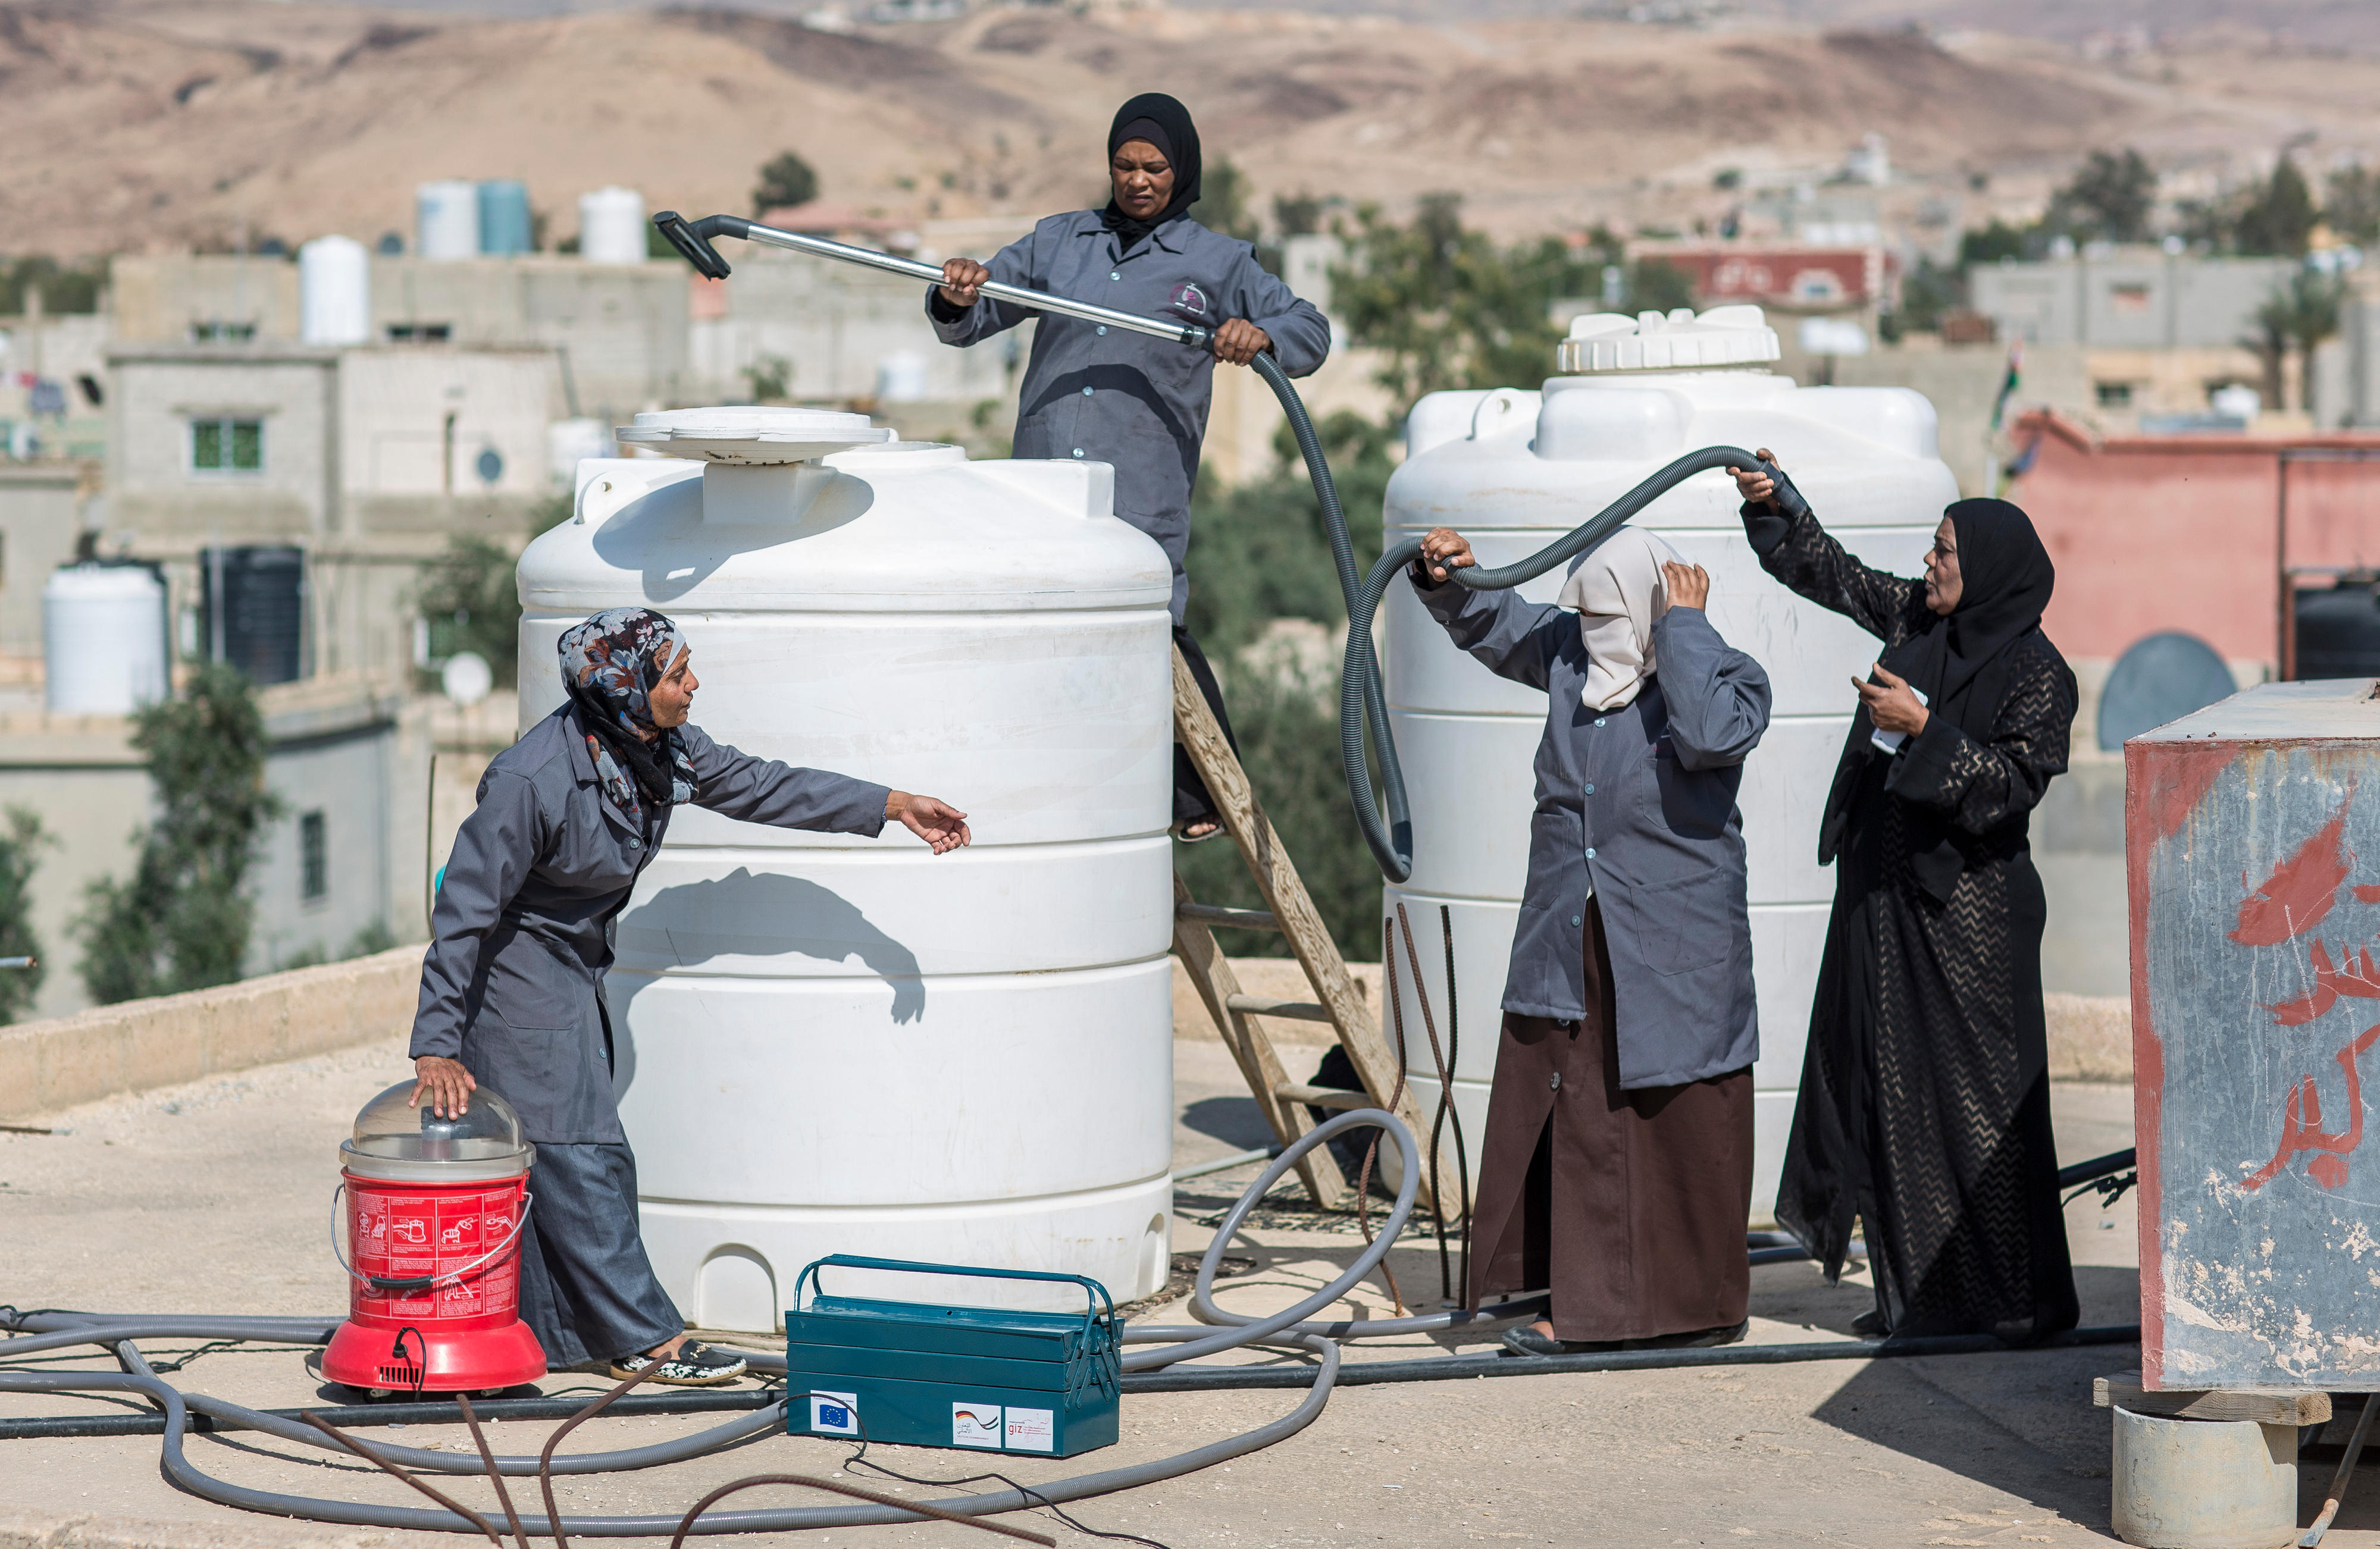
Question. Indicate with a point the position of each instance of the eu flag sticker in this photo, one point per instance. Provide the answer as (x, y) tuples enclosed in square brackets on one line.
[(834, 1414), (974, 1425)]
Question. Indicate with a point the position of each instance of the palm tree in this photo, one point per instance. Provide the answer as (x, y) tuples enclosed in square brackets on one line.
[(2301, 312)]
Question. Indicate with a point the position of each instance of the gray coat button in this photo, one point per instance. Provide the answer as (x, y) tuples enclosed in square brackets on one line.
[(1578, 919), (1103, 331), (1078, 452), (1590, 851), (1599, 720), (1590, 788), (1115, 274), (635, 844), (1554, 1081)]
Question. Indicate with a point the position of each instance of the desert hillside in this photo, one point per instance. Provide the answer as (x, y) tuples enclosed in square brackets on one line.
[(156, 124)]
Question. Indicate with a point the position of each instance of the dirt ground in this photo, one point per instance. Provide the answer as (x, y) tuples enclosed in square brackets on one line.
[(215, 1197)]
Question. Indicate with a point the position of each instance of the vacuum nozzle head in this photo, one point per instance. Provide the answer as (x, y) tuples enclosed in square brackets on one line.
[(693, 242)]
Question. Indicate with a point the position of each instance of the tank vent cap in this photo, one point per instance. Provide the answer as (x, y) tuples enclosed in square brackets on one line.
[(1676, 342), (751, 434)]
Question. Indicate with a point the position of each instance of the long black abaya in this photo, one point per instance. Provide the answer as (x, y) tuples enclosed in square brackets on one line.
[(1924, 1101)]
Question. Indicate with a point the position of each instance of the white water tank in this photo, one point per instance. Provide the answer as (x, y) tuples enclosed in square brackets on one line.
[(103, 639), (612, 225), (832, 1043), (446, 219), (1514, 469), (333, 291)]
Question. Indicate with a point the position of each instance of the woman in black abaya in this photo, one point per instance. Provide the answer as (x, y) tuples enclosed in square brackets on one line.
[(1924, 1101)]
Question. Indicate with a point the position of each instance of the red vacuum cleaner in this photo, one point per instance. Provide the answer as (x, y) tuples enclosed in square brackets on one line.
[(434, 1211)]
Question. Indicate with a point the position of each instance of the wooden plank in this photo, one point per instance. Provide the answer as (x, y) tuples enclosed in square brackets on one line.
[(1288, 1010), (2269, 1406), (1322, 1096), (1301, 923), (1261, 1067)]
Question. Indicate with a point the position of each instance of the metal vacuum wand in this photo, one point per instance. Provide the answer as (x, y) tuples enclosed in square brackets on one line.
[(692, 239)]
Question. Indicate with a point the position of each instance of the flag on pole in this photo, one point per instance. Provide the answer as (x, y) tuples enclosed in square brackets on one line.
[(2021, 466), (2010, 383)]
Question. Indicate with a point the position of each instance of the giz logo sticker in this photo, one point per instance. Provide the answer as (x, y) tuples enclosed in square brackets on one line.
[(974, 1425), (835, 1414), (1031, 1430)]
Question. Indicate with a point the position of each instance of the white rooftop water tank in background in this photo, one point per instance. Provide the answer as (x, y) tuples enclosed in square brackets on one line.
[(612, 225), (333, 291), (446, 219), (835, 1043), (103, 639), (1514, 469)]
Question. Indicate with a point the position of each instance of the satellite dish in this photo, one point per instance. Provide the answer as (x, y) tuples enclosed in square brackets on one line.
[(2160, 679), (490, 466), (466, 678)]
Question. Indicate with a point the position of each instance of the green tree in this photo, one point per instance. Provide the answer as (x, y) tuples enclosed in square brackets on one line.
[(1223, 202), (1298, 214), (2109, 199), (183, 919), (471, 597), (20, 858), (1658, 285), (1927, 293), (785, 181), (1258, 551), (64, 287), (2351, 204), (2278, 217), (1992, 243), (2301, 312), (1446, 306)]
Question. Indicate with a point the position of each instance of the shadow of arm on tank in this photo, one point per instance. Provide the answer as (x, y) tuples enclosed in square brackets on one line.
[(767, 914)]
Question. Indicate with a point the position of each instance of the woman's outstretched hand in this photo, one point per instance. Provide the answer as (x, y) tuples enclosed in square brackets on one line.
[(1890, 702), (963, 281), (936, 822), (1688, 584), (1442, 551), (1755, 483)]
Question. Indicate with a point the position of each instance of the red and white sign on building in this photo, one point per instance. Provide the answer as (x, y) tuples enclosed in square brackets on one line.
[(1781, 275)]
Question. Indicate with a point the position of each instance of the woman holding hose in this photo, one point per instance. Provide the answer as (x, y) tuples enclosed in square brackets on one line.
[(1924, 1103), (1617, 1165), (1137, 403)]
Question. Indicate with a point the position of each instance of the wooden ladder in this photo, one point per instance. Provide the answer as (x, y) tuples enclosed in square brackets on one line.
[(1289, 910)]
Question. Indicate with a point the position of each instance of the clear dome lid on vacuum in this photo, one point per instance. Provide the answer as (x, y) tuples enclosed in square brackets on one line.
[(394, 1139)]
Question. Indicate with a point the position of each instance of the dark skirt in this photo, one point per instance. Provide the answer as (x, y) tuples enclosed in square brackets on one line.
[(586, 1289), (1191, 801), (1629, 1205)]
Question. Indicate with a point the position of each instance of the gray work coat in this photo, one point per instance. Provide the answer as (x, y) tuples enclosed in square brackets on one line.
[(513, 985), (1635, 805), (1113, 396)]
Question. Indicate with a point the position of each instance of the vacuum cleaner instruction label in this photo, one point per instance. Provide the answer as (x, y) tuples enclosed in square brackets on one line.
[(1031, 1430), (974, 1425)]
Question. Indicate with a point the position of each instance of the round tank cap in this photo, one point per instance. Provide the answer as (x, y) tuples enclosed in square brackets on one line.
[(751, 434), (1677, 341), (395, 1140)]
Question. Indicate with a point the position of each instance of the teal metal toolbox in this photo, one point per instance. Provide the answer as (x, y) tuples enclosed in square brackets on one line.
[(921, 1374)]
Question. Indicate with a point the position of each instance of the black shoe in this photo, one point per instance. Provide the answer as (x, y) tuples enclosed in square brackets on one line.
[(1700, 1338), (1871, 1324), (696, 1364), (1525, 1340)]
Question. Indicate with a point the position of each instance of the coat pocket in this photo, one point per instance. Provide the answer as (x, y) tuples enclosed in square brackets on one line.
[(1688, 923), (534, 1068), (1692, 803), (1034, 438)]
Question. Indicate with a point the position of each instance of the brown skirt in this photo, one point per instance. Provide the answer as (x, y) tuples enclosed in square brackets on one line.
[(1629, 1205)]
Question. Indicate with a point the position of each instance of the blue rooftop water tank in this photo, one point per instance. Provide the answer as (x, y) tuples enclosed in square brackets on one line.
[(2159, 679), (505, 224)]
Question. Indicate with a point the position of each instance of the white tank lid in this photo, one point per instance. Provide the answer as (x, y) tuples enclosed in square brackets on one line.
[(1679, 340), (751, 434)]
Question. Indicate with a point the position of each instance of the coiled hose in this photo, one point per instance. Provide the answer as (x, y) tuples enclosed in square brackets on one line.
[(1362, 702)]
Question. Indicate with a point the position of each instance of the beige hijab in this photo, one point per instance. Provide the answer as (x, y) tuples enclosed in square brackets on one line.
[(1616, 592)]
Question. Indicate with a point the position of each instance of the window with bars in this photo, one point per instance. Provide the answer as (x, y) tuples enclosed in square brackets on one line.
[(313, 857), (227, 446)]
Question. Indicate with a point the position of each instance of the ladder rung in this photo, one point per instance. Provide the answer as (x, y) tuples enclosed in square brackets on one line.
[(1215, 914), (1321, 1096), (1266, 1005)]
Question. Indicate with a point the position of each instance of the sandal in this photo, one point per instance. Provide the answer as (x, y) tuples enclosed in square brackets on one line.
[(696, 1364), (1182, 830)]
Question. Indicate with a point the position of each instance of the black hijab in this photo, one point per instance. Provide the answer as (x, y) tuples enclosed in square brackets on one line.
[(1164, 123), (2005, 579)]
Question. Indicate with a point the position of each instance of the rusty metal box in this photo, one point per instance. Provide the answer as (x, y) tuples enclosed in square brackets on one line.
[(2252, 841)]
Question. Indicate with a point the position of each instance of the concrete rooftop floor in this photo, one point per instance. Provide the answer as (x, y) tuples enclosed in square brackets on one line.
[(215, 1197)]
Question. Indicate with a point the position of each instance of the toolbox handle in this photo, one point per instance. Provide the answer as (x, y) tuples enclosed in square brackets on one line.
[(1097, 1293)]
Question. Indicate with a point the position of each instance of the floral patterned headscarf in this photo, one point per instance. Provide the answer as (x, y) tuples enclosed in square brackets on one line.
[(610, 665)]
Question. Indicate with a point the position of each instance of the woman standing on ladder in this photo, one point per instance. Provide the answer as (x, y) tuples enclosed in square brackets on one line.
[(1135, 401), (1924, 1103)]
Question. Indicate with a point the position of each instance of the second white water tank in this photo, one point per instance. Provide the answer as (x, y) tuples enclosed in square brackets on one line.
[(1514, 469), (103, 639), (612, 225), (446, 219), (333, 291), (832, 1043)]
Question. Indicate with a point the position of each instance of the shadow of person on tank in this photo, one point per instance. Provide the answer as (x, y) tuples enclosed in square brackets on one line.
[(744, 914), (2018, 1421), (666, 536)]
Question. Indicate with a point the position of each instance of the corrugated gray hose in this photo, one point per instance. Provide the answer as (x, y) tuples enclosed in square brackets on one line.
[(1288, 1327), (1361, 699)]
